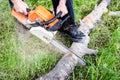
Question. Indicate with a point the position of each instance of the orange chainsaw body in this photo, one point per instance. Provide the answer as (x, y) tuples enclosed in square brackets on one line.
[(39, 13)]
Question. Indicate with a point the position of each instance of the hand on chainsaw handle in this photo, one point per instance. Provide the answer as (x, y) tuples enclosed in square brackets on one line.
[(62, 7), (20, 6)]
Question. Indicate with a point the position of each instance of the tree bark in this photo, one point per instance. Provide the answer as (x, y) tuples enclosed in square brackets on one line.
[(68, 62)]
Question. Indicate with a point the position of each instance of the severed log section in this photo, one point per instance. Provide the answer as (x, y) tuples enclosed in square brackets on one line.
[(114, 13), (68, 62)]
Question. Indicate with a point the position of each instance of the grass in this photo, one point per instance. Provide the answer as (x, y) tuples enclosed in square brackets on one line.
[(20, 61)]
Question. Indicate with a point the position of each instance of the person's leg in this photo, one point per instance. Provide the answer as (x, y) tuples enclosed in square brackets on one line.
[(55, 4), (69, 5), (69, 27)]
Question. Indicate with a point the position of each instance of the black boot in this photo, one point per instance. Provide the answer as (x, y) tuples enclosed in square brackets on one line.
[(71, 31)]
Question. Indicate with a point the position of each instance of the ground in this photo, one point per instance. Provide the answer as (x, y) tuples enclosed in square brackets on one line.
[(28, 58)]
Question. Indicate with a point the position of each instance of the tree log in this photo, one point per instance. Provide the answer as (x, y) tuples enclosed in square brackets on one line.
[(114, 13), (68, 62)]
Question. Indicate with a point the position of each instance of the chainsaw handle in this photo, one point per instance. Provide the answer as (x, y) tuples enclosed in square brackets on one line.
[(65, 20)]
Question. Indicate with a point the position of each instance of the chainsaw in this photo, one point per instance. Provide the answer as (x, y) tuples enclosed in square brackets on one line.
[(43, 24)]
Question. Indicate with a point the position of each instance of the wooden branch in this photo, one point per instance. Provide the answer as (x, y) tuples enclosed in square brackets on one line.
[(68, 62), (114, 13)]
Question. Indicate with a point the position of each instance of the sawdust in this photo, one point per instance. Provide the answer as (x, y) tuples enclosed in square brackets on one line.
[(31, 46)]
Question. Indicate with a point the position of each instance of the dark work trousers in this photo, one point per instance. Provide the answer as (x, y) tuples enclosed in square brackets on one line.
[(69, 5)]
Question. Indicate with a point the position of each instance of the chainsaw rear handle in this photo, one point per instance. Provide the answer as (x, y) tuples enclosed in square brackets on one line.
[(53, 19)]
